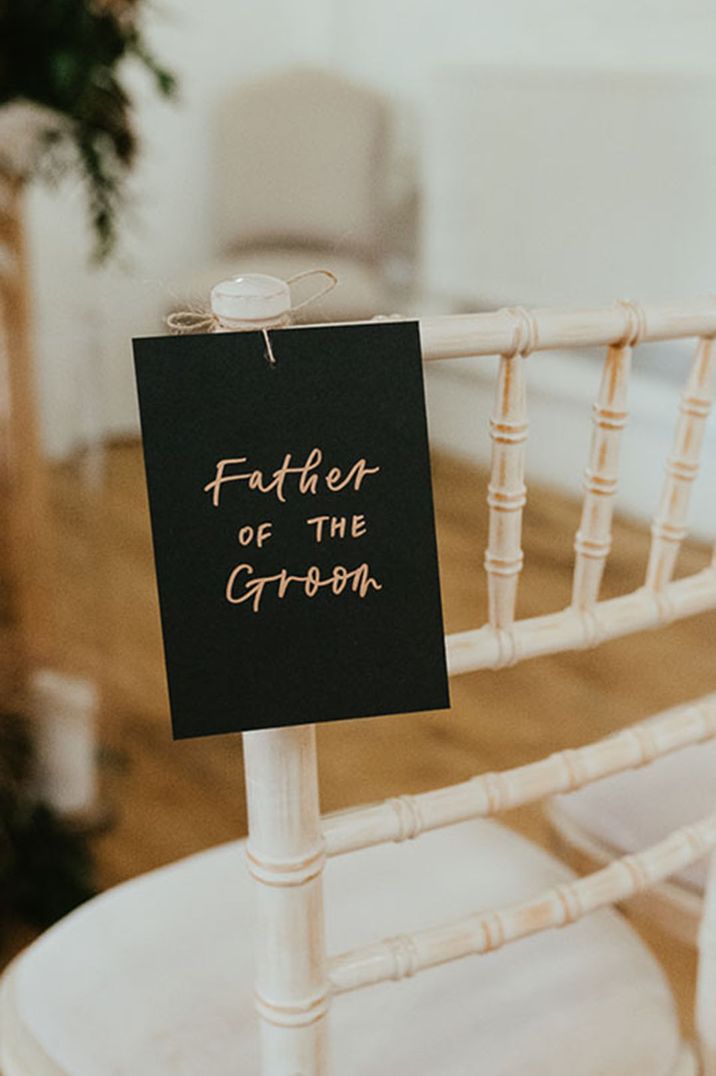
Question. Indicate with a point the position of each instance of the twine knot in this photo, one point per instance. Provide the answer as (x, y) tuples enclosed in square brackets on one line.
[(203, 320)]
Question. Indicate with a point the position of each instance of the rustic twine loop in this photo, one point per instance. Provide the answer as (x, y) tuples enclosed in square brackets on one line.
[(635, 327), (525, 334), (185, 322)]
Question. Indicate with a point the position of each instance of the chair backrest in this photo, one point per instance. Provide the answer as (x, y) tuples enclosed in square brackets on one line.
[(303, 161), (288, 839)]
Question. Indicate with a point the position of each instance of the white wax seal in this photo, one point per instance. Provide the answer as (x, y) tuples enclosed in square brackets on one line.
[(251, 297)]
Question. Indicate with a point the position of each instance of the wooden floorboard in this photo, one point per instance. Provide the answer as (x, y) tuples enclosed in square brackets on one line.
[(176, 798)]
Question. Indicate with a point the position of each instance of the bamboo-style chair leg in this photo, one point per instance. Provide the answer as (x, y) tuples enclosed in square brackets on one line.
[(286, 856)]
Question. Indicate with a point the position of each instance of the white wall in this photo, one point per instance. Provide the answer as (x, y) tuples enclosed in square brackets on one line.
[(580, 185), (398, 43), (85, 319), (568, 145)]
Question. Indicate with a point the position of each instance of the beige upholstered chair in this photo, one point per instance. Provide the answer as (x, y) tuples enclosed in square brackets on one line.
[(156, 976), (301, 184)]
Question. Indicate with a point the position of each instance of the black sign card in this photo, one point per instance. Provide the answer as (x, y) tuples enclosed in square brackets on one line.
[(293, 525)]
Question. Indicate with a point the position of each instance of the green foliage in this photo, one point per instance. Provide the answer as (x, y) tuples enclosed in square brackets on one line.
[(45, 866), (48, 868), (67, 56)]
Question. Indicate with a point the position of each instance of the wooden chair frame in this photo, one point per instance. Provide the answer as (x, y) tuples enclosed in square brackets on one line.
[(289, 840)]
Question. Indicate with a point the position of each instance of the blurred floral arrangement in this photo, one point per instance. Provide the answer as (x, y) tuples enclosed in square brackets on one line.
[(63, 102)]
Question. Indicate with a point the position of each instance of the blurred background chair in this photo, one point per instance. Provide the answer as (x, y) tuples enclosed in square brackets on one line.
[(302, 174)]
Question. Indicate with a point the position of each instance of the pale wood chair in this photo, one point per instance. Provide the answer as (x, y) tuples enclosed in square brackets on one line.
[(157, 976)]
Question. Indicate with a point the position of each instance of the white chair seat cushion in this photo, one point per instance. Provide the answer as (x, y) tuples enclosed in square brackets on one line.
[(359, 294), (632, 810), (154, 977)]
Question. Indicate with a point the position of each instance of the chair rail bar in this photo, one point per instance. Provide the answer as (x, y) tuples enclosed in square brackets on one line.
[(406, 817), (503, 332), (484, 931), (573, 629)]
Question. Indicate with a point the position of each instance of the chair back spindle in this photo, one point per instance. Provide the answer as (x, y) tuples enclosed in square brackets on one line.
[(669, 526), (507, 493), (593, 539)]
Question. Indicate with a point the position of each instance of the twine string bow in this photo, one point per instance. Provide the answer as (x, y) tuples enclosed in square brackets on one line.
[(183, 322)]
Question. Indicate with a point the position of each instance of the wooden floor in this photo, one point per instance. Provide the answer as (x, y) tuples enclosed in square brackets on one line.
[(176, 798)]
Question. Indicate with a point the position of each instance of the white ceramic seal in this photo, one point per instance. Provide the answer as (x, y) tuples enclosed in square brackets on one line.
[(251, 297)]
